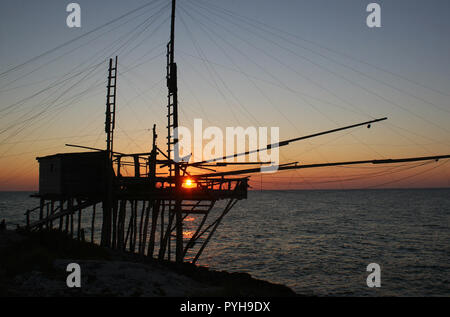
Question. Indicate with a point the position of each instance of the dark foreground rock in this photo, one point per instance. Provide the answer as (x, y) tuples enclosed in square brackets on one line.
[(34, 264)]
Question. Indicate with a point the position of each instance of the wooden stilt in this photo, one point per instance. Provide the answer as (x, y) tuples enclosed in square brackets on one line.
[(121, 224), (161, 240), (166, 239), (114, 226), (79, 219), (52, 211), (41, 211), (61, 219), (155, 211), (67, 220), (145, 229), (130, 227), (93, 223), (133, 241), (47, 212), (71, 216), (168, 246), (141, 225)]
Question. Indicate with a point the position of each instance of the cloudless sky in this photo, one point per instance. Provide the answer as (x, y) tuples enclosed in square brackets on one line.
[(306, 66)]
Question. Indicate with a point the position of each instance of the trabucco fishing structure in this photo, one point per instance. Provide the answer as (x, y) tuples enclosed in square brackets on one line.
[(148, 213)]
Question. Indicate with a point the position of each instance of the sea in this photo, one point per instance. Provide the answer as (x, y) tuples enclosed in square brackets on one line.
[(320, 242)]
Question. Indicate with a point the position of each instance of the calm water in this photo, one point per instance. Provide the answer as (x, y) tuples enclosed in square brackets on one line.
[(320, 242)]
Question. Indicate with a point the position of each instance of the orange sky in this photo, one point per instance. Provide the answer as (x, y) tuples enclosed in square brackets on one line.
[(328, 71), (410, 175)]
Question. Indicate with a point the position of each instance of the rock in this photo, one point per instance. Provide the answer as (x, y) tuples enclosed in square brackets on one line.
[(34, 264)]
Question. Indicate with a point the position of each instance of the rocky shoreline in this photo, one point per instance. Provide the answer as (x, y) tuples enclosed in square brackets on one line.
[(34, 264)]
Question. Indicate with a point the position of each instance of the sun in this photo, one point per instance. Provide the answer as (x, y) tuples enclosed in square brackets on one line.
[(189, 183)]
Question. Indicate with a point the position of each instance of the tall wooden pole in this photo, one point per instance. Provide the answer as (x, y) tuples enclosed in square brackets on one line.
[(109, 129), (172, 136)]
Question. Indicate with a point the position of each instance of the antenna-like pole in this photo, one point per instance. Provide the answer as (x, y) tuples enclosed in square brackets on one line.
[(172, 85), (110, 115), (172, 134), (172, 32)]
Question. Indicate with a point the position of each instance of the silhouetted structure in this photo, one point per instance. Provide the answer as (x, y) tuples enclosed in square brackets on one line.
[(147, 212), (71, 183)]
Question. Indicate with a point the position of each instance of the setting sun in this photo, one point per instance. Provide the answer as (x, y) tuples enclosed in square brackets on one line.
[(189, 183)]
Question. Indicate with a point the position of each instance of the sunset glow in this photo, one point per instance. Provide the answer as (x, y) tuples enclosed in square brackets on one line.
[(320, 76), (189, 183)]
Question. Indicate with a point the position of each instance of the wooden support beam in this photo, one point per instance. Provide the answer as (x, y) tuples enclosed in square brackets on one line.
[(93, 223), (62, 213), (195, 236), (155, 212), (162, 224), (118, 166), (41, 211), (133, 241), (191, 242), (79, 219), (47, 213), (230, 205), (52, 211), (302, 166), (286, 142), (137, 167), (83, 238), (130, 230), (121, 224), (114, 225), (145, 229), (141, 224), (71, 216), (67, 219), (106, 222), (61, 219), (178, 231), (166, 239)]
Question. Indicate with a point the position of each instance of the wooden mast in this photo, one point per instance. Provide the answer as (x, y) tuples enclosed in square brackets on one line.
[(109, 129), (172, 136)]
